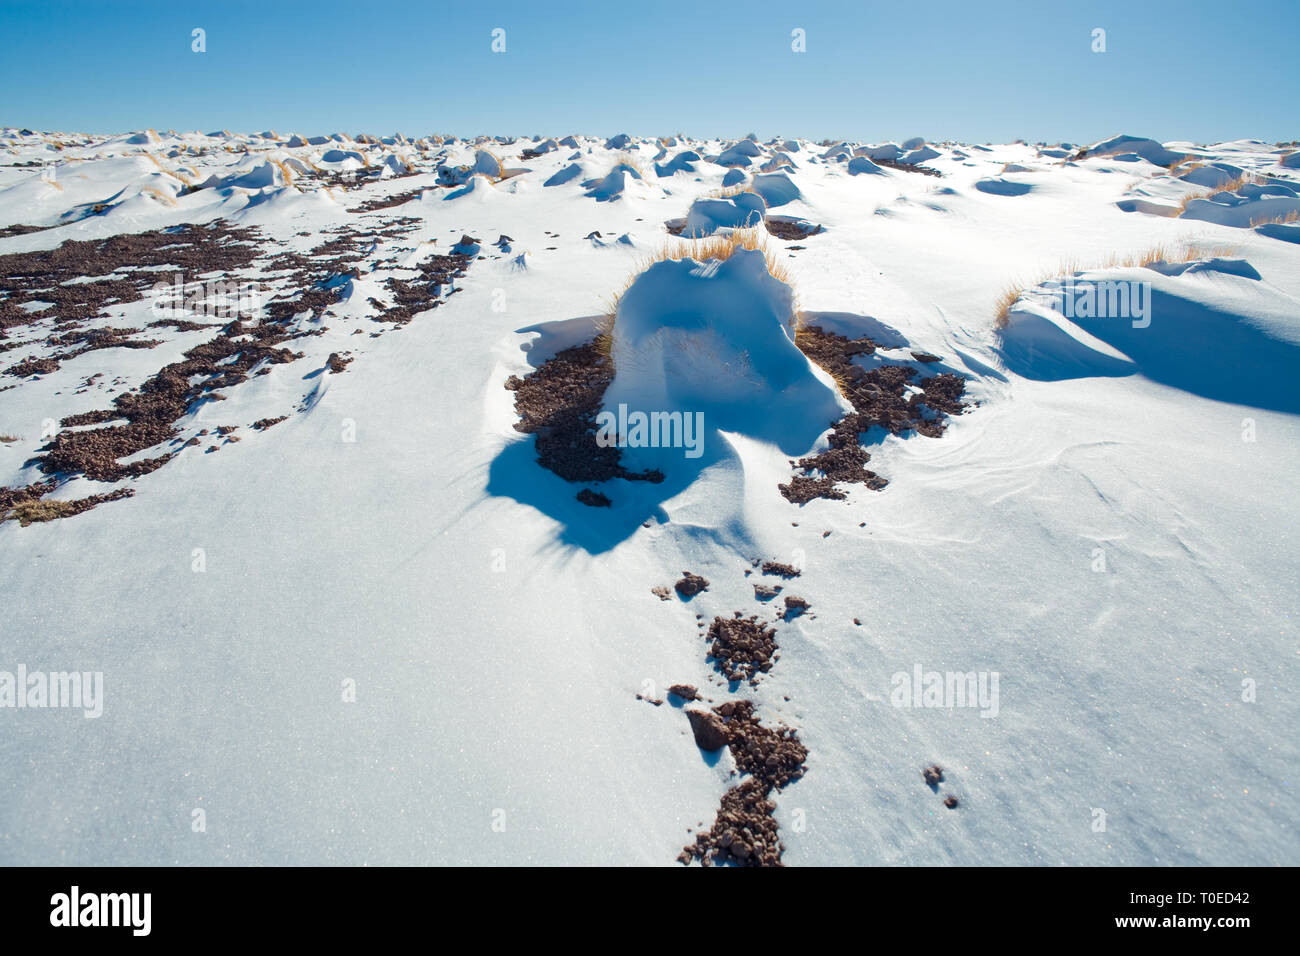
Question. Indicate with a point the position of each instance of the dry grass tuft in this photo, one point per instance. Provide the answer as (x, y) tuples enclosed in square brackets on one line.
[(1185, 251), (285, 171), (28, 512), (8, 439), (720, 246), (1279, 219), (726, 192)]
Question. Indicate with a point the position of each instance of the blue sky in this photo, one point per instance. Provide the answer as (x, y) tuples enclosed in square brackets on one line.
[(872, 71)]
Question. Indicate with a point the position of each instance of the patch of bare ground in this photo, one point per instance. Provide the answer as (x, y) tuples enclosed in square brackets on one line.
[(690, 585), (904, 167), (784, 229), (745, 831), (558, 403), (28, 505), (742, 648), (780, 569), (424, 292), (879, 396), (388, 202)]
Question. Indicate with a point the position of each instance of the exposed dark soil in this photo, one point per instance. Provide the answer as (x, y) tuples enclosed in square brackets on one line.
[(745, 832), (558, 403), (780, 569), (741, 648), (129, 265), (690, 585), (790, 230), (424, 292), (904, 167), (28, 505), (388, 202), (879, 397)]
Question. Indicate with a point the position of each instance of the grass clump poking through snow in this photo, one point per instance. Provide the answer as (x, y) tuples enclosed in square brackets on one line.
[(1187, 251)]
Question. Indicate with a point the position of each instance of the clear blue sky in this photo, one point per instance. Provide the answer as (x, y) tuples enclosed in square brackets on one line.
[(974, 71)]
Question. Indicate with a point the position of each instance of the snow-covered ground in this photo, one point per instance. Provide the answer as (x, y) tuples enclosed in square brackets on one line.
[(379, 632)]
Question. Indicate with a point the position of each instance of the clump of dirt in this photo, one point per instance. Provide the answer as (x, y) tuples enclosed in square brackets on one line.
[(780, 569), (594, 499), (690, 585), (784, 229), (764, 593), (558, 402), (685, 691), (262, 424), (709, 729), (745, 831), (933, 776), (337, 363), (879, 397), (794, 606), (741, 647)]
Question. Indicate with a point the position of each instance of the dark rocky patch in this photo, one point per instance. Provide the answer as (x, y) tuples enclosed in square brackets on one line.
[(784, 229), (558, 403), (879, 397), (593, 499), (745, 831), (904, 167), (780, 569), (741, 648), (690, 585)]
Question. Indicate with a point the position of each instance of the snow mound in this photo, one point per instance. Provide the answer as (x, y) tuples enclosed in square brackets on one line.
[(717, 338), (777, 189), (707, 216), (1212, 175), (1001, 186), (1249, 206), (1287, 232), (612, 186), (741, 154), (478, 187), (1140, 146), (567, 174), (920, 155), (1209, 328), (734, 177), (887, 151), (861, 164), (1290, 160), (683, 162)]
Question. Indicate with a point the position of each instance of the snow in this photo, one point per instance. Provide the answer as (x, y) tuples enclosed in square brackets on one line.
[(498, 631), (717, 339)]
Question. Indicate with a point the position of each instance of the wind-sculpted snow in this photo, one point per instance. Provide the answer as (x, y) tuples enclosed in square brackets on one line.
[(301, 446)]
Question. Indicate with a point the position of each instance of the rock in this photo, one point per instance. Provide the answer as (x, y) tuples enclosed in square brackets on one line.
[(709, 730), (691, 585), (685, 691)]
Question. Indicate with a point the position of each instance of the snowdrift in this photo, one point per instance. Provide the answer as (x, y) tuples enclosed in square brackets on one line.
[(1212, 328), (717, 337)]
